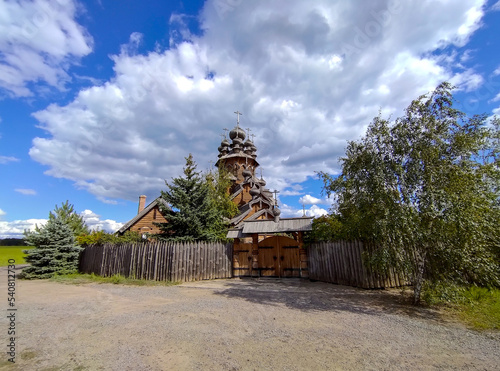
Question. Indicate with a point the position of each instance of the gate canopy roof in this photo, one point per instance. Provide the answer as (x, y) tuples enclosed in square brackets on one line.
[(283, 225)]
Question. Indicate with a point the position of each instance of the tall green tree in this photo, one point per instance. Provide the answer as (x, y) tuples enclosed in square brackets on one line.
[(194, 215), (425, 191), (219, 184), (55, 250)]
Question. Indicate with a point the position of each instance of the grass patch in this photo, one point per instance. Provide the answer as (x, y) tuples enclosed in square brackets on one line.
[(117, 279), (13, 252), (477, 307)]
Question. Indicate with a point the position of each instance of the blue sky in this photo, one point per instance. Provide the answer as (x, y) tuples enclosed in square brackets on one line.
[(101, 102)]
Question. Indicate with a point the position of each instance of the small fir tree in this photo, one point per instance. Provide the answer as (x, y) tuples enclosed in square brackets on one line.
[(55, 250)]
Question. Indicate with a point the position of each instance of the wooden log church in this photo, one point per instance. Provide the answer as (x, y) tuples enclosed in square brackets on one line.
[(265, 245)]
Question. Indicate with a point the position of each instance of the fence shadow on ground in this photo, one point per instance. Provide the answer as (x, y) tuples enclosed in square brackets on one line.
[(307, 296)]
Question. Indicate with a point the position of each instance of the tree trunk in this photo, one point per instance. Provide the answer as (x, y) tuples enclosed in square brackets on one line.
[(418, 279)]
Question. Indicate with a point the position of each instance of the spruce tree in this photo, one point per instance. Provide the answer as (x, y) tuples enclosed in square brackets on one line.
[(55, 250), (68, 216), (193, 216)]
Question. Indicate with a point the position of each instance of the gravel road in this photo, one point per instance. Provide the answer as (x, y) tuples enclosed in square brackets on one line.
[(239, 324)]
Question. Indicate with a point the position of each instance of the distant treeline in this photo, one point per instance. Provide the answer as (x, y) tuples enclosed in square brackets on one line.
[(12, 242)]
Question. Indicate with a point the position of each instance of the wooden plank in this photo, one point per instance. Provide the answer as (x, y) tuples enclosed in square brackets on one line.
[(229, 270), (196, 265), (220, 267), (179, 261), (168, 262), (352, 264), (330, 261), (216, 260), (313, 263), (187, 264), (316, 262), (203, 254), (187, 251), (337, 263), (155, 265), (359, 267), (159, 261), (344, 265), (320, 262), (210, 263), (182, 259), (171, 267), (175, 262), (192, 262)]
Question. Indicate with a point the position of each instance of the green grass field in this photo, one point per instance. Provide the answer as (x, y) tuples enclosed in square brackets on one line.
[(117, 279), (12, 252)]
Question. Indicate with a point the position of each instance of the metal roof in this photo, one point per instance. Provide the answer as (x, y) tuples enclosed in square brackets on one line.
[(235, 233), (284, 225)]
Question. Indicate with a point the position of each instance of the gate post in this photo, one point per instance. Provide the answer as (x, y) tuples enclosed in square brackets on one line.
[(236, 262), (255, 255), (304, 268)]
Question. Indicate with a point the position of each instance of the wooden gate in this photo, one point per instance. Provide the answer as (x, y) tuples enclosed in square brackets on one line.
[(242, 260), (279, 257)]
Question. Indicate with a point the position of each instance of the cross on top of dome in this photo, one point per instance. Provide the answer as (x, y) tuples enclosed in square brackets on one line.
[(238, 113)]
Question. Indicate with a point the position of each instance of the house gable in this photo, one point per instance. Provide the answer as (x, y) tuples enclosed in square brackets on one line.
[(144, 221)]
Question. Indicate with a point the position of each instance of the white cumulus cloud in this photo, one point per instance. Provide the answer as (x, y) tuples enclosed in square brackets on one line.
[(307, 77), (39, 40), (291, 212), (16, 228), (94, 222), (311, 200)]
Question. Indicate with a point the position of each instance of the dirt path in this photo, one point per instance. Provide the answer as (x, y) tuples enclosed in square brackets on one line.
[(234, 325)]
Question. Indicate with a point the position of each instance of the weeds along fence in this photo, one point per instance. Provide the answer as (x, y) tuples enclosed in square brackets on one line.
[(341, 262), (160, 261)]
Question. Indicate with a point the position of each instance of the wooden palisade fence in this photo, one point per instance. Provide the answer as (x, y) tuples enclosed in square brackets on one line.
[(160, 261), (341, 262)]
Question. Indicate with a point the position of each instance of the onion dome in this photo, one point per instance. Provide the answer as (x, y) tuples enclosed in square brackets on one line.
[(276, 211), (238, 141), (246, 173), (262, 182), (254, 191), (237, 132), (236, 148), (223, 148)]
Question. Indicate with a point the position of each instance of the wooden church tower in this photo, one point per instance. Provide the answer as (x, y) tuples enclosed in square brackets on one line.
[(249, 193)]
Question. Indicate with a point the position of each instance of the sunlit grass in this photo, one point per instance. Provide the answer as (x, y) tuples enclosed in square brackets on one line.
[(477, 307), (13, 252), (117, 279)]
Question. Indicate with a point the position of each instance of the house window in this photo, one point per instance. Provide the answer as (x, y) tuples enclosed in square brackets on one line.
[(154, 214)]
